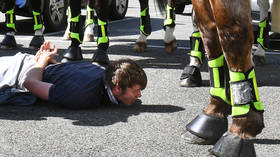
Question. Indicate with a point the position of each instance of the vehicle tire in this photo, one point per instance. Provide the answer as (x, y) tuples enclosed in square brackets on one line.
[(118, 9), (55, 14), (179, 8)]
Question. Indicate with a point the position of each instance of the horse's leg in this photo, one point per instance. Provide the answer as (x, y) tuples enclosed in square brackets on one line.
[(191, 76), (233, 21), (74, 51), (38, 38), (259, 55), (102, 10), (145, 27), (169, 27), (89, 34), (211, 124), (66, 35), (9, 41)]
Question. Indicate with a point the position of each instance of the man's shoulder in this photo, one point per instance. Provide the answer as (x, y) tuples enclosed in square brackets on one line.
[(98, 65)]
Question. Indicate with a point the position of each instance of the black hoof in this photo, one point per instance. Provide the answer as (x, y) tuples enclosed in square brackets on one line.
[(72, 54), (9, 42), (259, 60), (36, 42), (101, 57), (191, 77), (205, 129), (230, 145)]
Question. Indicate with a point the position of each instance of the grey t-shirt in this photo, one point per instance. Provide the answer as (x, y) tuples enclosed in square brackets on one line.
[(13, 70), (12, 75)]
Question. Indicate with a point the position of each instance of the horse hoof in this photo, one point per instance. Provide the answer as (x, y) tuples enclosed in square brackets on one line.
[(72, 54), (230, 145), (9, 42), (205, 129), (66, 36), (191, 77), (259, 60), (101, 57), (170, 47), (88, 38), (140, 47), (36, 42), (7, 47)]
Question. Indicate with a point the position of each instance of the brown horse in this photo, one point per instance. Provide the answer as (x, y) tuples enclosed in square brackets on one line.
[(227, 35)]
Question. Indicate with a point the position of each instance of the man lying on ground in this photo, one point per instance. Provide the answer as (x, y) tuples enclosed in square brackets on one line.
[(76, 85)]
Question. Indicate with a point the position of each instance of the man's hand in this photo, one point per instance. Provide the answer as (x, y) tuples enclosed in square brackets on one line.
[(45, 55), (33, 81)]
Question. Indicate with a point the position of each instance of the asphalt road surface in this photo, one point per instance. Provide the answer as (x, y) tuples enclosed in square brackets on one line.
[(150, 128)]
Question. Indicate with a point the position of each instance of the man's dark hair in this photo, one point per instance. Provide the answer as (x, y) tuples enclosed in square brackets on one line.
[(125, 73)]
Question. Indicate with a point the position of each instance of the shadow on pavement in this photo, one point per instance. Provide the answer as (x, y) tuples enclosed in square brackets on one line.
[(101, 116), (157, 58), (266, 141)]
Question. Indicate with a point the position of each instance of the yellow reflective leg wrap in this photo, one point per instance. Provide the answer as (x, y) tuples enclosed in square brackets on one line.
[(75, 28), (90, 16), (262, 25), (197, 47), (217, 78), (38, 24), (10, 20), (102, 32), (170, 17), (145, 27), (244, 93)]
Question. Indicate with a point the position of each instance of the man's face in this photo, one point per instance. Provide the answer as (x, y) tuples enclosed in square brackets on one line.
[(129, 96)]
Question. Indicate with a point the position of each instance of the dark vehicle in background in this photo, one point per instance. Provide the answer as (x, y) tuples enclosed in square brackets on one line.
[(55, 12)]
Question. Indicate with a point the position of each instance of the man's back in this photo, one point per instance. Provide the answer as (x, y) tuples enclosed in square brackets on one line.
[(75, 84)]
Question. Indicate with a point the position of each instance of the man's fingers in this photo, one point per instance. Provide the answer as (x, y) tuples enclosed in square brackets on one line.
[(55, 50), (47, 45), (53, 61)]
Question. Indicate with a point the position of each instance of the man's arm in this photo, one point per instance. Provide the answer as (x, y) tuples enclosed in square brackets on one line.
[(33, 81)]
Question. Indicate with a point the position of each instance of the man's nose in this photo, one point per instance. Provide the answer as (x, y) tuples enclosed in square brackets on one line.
[(139, 94)]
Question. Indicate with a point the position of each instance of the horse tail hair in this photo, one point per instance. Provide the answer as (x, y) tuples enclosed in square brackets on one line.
[(161, 6)]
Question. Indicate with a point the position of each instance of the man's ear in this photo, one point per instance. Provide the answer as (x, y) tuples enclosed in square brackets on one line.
[(117, 90)]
